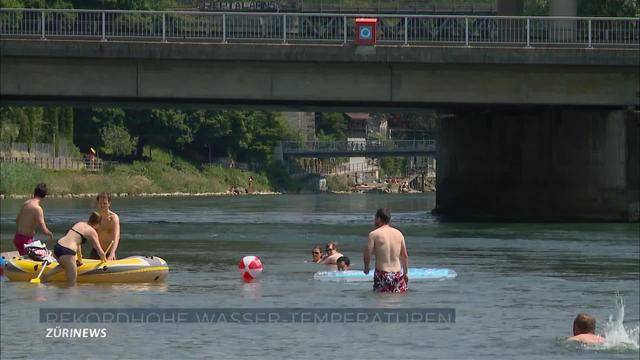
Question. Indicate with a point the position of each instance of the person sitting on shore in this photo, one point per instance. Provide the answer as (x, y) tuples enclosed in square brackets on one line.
[(584, 328), (109, 229), (332, 254), (30, 217), (316, 254), (68, 249), (343, 263)]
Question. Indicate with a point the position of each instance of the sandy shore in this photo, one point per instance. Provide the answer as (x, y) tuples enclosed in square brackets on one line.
[(121, 195)]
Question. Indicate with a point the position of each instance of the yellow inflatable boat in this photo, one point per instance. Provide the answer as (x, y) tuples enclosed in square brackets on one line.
[(133, 269)]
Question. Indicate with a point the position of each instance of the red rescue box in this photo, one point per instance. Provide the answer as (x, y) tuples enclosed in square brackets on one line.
[(366, 31)]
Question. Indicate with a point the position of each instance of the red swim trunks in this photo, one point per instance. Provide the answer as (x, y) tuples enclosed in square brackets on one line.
[(386, 281), (20, 241)]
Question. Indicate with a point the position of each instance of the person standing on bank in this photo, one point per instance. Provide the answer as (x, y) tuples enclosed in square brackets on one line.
[(108, 229), (392, 260)]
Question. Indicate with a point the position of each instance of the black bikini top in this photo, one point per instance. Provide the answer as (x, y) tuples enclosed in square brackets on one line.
[(84, 239)]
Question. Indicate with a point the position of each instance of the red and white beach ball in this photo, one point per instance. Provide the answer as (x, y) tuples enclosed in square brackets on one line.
[(250, 267)]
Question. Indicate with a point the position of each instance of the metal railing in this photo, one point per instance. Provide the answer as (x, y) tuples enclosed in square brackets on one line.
[(349, 6), (58, 162), (357, 148), (183, 26)]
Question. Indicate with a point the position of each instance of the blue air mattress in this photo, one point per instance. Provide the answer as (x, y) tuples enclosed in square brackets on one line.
[(415, 274)]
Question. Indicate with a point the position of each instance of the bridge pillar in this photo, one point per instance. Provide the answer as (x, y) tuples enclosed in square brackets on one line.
[(510, 7), (545, 164)]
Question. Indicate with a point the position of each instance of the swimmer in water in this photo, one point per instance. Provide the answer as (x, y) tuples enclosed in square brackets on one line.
[(316, 253), (343, 263), (584, 328), (332, 254)]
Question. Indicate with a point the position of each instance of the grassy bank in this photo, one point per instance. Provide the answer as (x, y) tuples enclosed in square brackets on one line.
[(163, 174), (340, 183)]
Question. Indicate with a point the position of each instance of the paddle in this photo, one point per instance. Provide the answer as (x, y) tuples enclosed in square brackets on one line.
[(44, 265), (106, 252), (101, 262)]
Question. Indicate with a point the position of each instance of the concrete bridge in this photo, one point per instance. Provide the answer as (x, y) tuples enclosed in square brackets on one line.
[(544, 125), (307, 60)]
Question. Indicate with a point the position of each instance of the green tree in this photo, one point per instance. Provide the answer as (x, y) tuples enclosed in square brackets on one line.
[(8, 131), (116, 140), (393, 166), (171, 128), (66, 124), (264, 131), (613, 8), (30, 120), (11, 4), (332, 125)]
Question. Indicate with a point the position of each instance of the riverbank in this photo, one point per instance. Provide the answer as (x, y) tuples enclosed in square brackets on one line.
[(163, 176), (142, 195)]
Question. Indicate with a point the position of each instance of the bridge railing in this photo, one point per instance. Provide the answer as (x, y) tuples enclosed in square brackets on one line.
[(355, 147), (456, 30)]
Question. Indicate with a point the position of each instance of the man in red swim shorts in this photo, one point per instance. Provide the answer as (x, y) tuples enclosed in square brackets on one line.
[(392, 260), (30, 217)]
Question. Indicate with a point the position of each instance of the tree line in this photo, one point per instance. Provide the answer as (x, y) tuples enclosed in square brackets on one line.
[(123, 133)]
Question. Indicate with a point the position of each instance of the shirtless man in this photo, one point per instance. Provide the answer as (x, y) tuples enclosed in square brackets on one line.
[(584, 328), (109, 228), (332, 254), (30, 217), (392, 260)]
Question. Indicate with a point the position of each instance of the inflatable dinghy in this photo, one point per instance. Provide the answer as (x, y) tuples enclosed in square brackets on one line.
[(132, 269)]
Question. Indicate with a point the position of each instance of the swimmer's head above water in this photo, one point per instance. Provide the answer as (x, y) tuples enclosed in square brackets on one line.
[(331, 248), (584, 330), (584, 324), (343, 263), (316, 253)]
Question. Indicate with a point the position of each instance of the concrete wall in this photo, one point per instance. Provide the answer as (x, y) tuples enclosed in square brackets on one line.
[(540, 164), (392, 85), (318, 76)]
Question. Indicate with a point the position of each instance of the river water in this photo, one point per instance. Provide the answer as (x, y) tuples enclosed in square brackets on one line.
[(519, 285)]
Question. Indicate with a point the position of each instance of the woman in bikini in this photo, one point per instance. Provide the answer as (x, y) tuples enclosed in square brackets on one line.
[(69, 246)]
